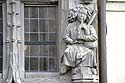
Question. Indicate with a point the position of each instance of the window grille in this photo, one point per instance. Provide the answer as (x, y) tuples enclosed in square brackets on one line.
[(41, 32)]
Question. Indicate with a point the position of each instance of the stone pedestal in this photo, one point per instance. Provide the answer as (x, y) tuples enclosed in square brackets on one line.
[(85, 81)]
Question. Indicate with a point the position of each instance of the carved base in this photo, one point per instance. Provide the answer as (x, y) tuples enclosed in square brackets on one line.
[(85, 81), (86, 75)]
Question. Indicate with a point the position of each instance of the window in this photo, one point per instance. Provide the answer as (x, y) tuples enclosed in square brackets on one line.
[(41, 38), (1, 39)]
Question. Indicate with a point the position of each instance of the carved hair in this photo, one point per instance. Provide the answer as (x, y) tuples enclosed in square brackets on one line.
[(73, 13)]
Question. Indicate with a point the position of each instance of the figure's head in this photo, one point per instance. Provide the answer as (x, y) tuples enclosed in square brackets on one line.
[(79, 13)]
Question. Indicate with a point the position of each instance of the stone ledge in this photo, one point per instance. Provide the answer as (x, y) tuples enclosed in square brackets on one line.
[(85, 81)]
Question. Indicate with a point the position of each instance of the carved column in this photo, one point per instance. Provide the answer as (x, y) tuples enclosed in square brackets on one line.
[(13, 66)]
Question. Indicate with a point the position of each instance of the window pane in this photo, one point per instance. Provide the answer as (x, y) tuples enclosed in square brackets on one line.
[(26, 49), (43, 12), (34, 50), (43, 25), (43, 64), (26, 24), (33, 25), (33, 12), (27, 36), (33, 36), (53, 64), (52, 12), (44, 37), (53, 50), (1, 51), (0, 12), (1, 25), (41, 39), (53, 37), (43, 50), (27, 64), (33, 64), (26, 13), (52, 26), (1, 38), (1, 60)]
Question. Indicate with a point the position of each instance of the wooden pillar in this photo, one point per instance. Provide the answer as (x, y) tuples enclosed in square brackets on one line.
[(102, 41), (13, 67)]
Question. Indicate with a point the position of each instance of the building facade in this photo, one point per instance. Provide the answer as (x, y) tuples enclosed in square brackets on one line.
[(31, 36)]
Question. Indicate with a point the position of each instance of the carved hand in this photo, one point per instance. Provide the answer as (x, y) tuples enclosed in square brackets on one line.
[(83, 26)]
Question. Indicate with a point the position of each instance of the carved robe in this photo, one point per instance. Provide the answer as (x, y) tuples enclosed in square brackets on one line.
[(76, 54)]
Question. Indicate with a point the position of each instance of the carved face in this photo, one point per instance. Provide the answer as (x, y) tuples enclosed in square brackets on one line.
[(81, 16)]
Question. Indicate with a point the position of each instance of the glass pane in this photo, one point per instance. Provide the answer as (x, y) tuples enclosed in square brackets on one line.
[(53, 64), (0, 12), (52, 26), (43, 64), (26, 36), (1, 50), (44, 37), (33, 12), (34, 64), (53, 37), (33, 25), (53, 50), (26, 12), (1, 60), (43, 24), (44, 50), (1, 37), (26, 24), (43, 12), (26, 50), (51, 12), (26, 64), (33, 36), (34, 50), (1, 25)]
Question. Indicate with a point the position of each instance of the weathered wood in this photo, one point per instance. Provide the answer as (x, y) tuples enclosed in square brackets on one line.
[(13, 67), (102, 41), (40, 0), (63, 8)]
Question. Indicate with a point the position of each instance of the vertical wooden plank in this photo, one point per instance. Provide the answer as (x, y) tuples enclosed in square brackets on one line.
[(63, 22), (22, 58), (5, 40), (102, 41), (13, 60), (20, 36)]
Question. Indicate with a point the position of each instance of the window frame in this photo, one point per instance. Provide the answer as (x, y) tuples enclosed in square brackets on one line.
[(46, 43), (46, 74)]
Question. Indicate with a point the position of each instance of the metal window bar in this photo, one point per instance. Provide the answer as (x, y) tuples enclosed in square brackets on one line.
[(39, 45), (29, 36)]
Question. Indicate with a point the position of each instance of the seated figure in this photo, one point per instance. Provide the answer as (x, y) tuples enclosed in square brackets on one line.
[(79, 55)]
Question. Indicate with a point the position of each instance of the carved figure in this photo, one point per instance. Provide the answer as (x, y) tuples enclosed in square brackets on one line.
[(80, 38)]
